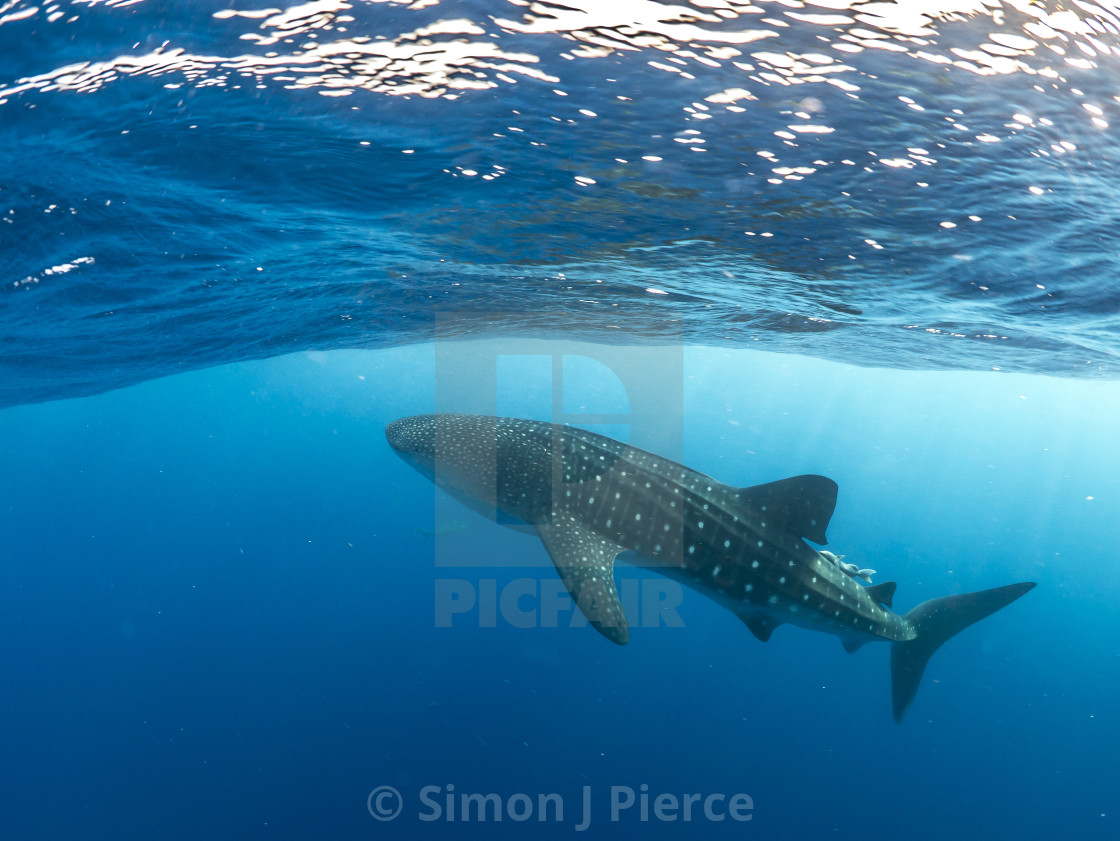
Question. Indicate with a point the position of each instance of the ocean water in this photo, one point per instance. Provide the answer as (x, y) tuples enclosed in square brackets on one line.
[(874, 241)]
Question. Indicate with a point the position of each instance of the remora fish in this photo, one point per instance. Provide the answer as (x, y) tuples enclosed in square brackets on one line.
[(590, 498), (450, 527)]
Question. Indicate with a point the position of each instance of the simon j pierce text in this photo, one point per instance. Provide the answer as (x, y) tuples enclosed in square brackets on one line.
[(624, 803)]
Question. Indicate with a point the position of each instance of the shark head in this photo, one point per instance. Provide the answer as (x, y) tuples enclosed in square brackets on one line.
[(414, 440), (486, 463)]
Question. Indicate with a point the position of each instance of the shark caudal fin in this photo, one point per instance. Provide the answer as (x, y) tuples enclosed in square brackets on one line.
[(936, 621)]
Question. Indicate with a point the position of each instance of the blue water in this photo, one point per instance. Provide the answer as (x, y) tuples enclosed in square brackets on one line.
[(843, 239)]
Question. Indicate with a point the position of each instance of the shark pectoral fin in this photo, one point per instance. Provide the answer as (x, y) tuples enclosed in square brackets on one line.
[(585, 562), (761, 626), (802, 505), (853, 645), (882, 593)]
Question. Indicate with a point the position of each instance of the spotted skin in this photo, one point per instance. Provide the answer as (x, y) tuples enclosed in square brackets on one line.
[(688, 526), (590, 497)]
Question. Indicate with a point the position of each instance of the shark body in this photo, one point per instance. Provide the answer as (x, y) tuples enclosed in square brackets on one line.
[(590, 498)]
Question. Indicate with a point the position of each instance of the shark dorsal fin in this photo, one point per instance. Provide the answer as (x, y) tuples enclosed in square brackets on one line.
[(882, 593), (585, 562), (802, 504), (761, 626)]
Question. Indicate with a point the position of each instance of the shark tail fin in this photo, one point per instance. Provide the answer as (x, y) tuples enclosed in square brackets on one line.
[(935, 622)]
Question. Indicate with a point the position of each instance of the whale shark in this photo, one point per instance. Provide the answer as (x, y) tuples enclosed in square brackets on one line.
[(590, 498)]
